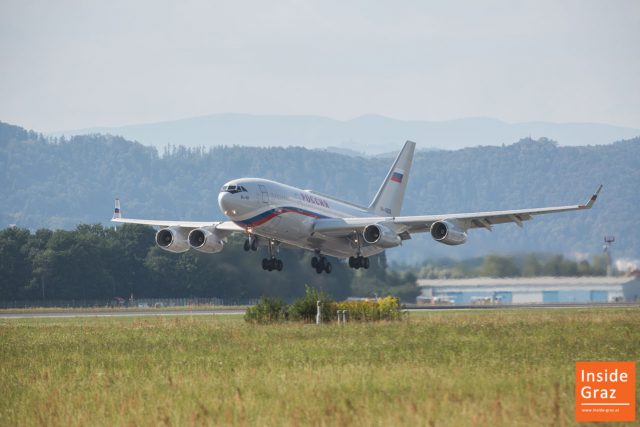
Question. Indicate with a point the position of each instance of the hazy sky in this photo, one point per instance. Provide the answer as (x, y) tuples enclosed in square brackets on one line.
[(75, 64)]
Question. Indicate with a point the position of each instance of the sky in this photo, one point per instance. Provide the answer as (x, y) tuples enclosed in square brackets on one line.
[(71, 64)]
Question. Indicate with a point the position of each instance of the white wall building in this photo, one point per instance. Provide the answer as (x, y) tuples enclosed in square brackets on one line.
[(530, 290)]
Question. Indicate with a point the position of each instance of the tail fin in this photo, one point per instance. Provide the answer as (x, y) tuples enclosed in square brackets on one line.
[(116, 212), (388, 200)]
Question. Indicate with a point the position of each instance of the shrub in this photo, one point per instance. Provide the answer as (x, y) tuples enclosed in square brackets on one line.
[(273, 310), (267, 310), (305, 308), (387, 308)]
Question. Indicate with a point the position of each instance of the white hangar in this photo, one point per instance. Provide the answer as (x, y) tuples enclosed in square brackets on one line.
[(529, 290)]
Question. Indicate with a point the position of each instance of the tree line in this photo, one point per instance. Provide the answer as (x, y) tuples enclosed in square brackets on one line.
[(526, 265), (96, 262)]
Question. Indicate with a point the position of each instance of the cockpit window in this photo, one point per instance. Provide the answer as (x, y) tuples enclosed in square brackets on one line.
[(234, 189)]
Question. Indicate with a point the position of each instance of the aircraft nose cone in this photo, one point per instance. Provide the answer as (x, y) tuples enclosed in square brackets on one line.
[(226, 204)]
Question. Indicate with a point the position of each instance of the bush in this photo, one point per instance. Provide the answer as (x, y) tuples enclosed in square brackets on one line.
[(305, 308), (273, 310), (267, 310), (387, 308)]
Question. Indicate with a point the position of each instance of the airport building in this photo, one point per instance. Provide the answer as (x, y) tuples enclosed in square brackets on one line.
[(530, 290)]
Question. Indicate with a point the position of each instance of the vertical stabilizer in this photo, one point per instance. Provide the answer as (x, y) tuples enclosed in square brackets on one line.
[(388, 199)]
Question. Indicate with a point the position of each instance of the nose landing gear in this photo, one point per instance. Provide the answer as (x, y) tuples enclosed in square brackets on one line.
[(251, 243)]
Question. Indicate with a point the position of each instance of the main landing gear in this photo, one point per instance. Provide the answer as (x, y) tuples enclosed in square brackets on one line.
[(271, 263), (359, 262), (321, 264)]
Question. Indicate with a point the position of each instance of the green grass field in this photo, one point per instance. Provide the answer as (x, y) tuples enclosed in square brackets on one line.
[(510, 367)]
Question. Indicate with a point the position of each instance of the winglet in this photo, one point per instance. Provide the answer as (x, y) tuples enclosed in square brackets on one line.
[(117, 213), (593, 198)]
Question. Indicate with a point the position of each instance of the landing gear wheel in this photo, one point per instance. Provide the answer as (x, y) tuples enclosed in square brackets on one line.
[(320, 264), (271, 264), (254, 244), (359, 262), (247, 245)]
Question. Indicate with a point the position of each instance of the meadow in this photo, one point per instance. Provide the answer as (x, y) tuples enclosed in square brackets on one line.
[(507, 367)]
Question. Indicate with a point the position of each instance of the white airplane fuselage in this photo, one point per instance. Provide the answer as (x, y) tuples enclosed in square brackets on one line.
[(287, 214)]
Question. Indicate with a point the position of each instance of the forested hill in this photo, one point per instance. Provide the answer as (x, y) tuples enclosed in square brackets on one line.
[(60, 184)]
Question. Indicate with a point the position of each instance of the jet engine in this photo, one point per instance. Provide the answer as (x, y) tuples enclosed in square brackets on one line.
[(206, 240), (381, 236), (173, 239), (448, 232)]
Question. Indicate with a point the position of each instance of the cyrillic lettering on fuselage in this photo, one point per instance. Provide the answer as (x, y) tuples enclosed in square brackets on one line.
[(315, 200)]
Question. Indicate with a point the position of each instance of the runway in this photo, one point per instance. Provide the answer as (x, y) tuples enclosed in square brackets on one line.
[(236, 311), (119, 313)]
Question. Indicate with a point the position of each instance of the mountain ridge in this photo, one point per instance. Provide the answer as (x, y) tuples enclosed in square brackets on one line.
[(368, 133)]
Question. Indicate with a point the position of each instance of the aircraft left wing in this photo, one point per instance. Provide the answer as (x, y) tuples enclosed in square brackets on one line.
[(219, 225), (342, 227)]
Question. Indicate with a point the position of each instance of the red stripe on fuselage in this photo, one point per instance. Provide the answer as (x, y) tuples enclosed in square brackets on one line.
[(279, 212)]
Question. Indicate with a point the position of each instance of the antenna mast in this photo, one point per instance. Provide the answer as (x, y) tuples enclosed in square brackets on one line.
[(608, 242)]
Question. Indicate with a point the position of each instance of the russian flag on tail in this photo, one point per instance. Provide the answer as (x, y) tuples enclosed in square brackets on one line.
[(396, 177)]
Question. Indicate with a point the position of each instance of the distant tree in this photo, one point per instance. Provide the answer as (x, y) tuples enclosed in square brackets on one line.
[(498, 266), (599, 265), (15, 267), (531, 266), (380, 281)]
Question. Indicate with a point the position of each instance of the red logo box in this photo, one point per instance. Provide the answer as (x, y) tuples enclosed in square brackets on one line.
[(605, 391)]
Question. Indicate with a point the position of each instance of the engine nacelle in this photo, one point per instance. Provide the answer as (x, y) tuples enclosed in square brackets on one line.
[(173, 239), (381, 236), (448, 232), (206, 240)]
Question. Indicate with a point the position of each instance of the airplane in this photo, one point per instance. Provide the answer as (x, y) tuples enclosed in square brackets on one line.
[(277, 215)]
